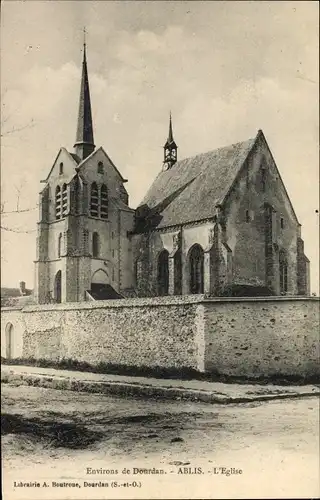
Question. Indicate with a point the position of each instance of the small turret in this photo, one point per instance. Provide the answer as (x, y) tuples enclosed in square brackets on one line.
[(170, 149)]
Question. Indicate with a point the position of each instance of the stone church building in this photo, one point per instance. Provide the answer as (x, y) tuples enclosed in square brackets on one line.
[(220, 223)]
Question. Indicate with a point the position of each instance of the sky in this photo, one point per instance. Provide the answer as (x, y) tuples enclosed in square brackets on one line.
[(224, 69)]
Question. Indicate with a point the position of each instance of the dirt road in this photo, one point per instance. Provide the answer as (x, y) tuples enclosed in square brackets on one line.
[(270, 449)]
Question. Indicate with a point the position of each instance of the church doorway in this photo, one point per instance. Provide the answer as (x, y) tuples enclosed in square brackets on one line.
[(57, 287), (163, 273), (196, 266), (9, 340)]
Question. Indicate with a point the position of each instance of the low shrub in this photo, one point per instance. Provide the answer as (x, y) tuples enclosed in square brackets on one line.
[(184, 373)]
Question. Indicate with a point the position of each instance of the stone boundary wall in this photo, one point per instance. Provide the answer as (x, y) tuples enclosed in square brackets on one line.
[(140, 332), (231, 336), (263, 336)]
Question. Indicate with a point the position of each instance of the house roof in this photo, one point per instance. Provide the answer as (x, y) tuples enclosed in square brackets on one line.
[(21, 301), (10, 292), (192, 188)]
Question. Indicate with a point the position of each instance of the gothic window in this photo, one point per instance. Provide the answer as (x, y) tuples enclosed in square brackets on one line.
[(94, 200), (282, 223), (196, 266), (177, 264), (104, 202), (283, 271), (95, 245), (64, 200), (270, 226), (85, 241), (9, 340), (263, 177), (124, 195), (100, 167), (163, 273), (57, 287), (58, 202), (61, 168), (247, 216), (59, 245)]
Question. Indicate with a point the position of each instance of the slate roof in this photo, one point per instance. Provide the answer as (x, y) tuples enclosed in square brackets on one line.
[(192, 188), (75, 157), (103, 292)]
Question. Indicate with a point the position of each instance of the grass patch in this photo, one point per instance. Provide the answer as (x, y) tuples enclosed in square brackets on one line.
[(184, 373)]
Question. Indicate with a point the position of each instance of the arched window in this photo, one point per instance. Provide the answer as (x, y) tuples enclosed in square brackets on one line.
[(9, 340), (163, 273), (94, 200), (57, 287), (196, 258), (177, 273), (283, 272), (59, 245), (263, 176), (64, 200), (104, 202), (58, 202), (61, 168), (100, 167), (95, 245)]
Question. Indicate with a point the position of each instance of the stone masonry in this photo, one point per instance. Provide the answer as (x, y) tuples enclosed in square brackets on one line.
[(244, 337)]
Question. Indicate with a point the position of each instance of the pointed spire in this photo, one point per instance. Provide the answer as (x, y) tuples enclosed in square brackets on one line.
[(84, 140), (170, 136), (170, 139)]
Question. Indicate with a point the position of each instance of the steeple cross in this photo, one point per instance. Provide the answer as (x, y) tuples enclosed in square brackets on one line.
[(84, 35)]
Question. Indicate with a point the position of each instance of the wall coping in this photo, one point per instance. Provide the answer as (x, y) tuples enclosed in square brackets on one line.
[(155, 302)]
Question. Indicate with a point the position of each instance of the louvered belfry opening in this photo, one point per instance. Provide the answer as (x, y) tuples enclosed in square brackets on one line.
[(94, 200), (104, 202), (58, 203), (64, 200)]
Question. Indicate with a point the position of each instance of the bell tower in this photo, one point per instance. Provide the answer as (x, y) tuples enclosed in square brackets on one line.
[(170, 149)]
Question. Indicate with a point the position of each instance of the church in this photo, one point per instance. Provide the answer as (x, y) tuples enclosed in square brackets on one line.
[(220, 223)]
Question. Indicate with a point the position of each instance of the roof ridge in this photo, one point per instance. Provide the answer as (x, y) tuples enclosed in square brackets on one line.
[(216, 150)]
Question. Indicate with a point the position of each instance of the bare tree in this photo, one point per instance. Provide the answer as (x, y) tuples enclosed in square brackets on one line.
[(7, 128), (17, 210)]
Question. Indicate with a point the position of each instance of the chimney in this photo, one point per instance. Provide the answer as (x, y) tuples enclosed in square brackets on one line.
[(22, 286)]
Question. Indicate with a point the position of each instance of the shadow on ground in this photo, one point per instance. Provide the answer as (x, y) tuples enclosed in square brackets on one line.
[(67, 435)]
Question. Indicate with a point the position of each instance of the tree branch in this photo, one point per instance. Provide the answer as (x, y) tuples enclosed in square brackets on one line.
[(18, 129), (17, 211), (20, 231)]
